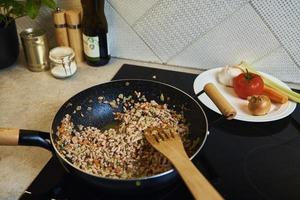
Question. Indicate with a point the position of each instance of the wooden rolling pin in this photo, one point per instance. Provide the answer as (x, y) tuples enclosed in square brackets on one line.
[(61, 34), (219, 100), (73, 19)]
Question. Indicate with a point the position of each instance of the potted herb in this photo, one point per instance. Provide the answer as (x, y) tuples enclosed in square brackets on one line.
[(9, 11)]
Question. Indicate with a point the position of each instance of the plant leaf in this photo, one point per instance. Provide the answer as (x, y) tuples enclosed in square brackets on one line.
[(17, 9), (3, 2), (32, 8), (49, 3)]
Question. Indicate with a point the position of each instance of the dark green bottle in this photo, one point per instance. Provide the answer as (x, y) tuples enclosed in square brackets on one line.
[(94, 32)]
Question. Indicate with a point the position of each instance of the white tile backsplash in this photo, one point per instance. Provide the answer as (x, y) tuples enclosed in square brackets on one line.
[(132, 10), (200, 33), (123, 42), (280, 65), (283, 18), (243, 36), (172, 25)]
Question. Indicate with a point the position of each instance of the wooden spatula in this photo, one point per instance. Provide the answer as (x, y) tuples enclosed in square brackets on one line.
[(170, 145)]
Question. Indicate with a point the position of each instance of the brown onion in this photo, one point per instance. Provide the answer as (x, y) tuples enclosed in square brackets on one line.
[(259, 104)]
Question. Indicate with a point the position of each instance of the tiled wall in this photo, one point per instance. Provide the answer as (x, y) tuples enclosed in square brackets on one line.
[(202, 33)]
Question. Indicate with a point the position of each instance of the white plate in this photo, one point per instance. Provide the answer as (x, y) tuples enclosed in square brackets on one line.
[(278, 111)]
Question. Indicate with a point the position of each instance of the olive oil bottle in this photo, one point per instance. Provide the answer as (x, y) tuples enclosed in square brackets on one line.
[(94, 32)]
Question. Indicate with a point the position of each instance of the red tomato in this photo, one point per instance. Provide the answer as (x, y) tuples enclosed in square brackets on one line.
[(248, 84)]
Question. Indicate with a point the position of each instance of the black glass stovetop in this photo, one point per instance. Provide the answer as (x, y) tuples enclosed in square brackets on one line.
[(243, 160)]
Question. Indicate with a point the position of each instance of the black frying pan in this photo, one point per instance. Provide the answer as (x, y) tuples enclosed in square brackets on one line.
[(101, 115)]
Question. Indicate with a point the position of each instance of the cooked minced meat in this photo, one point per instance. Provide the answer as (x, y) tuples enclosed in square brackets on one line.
[(122, 151)]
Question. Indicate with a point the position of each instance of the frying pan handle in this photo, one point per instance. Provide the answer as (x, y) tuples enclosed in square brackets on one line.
[(219, 100), (14, 136)]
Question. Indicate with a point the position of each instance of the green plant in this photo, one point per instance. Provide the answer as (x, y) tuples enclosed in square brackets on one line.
[(12, 9)]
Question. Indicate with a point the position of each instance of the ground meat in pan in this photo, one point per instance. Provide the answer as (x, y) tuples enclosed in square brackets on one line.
[(122, 151)]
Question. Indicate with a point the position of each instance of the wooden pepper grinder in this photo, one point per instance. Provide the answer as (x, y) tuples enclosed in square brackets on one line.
[(73, 19), (61, 34)]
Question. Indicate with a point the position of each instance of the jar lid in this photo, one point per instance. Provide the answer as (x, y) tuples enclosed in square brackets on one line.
[(61, 54), (32, 33)]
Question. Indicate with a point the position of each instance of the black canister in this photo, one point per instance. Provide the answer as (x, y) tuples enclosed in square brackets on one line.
[(9, 44)]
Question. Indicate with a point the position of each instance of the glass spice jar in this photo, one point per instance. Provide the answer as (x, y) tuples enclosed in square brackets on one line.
[(62, 62)]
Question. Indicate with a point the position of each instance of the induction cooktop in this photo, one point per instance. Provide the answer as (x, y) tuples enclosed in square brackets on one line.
[(242, 160)]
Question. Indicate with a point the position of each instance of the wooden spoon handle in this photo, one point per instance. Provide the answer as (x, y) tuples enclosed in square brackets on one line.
[(195, 181)]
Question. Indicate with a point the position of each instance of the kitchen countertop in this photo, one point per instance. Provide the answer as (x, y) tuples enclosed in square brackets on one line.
[(29, 100)]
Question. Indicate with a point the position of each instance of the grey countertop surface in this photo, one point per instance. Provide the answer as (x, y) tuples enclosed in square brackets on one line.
[(29, 100)]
